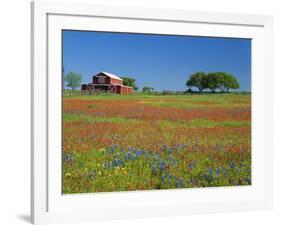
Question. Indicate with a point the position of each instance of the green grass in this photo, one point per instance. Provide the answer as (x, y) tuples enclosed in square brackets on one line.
[(72, 117), (196, 123), (194, 98), (177, 101), (198, 104)]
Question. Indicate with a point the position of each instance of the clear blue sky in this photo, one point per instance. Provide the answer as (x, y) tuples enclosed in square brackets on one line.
[(161, 61)]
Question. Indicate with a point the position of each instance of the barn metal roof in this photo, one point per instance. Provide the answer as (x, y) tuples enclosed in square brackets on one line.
[(110, 75)]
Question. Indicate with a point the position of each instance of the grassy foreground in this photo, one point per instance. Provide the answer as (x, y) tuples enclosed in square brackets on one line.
[(145, 142)]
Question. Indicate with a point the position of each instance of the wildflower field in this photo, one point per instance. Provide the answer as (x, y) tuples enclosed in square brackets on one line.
[(147, 142)]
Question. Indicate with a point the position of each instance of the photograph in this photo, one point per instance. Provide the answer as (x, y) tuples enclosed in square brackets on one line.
[(143, 112)]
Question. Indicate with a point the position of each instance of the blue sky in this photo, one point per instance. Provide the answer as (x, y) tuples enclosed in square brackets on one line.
[(161, 61)]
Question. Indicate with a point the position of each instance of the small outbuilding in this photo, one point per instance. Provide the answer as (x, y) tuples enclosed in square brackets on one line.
[(107, 82)]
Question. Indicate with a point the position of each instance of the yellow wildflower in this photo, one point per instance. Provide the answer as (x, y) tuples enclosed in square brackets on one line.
[(68, 174)]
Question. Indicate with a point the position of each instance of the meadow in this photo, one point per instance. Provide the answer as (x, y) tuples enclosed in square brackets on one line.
[(147, 142)]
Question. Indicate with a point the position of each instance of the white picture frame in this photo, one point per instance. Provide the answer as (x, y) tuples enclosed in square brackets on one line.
[(49, 205)]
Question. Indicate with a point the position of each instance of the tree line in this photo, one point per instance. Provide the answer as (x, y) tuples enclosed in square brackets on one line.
[(221, 81), (216, 80)]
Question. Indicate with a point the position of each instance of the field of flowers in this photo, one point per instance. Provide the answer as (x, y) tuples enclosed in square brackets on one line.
[(146, 142)]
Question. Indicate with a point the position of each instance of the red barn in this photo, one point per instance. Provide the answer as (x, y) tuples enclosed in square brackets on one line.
[(107, 82)]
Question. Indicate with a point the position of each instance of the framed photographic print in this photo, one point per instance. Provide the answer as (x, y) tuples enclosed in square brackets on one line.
[(149, 112)]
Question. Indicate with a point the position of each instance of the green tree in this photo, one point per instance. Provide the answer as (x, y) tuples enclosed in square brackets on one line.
[(73, 80), (230, 82), (198, 80), (147, 89), (226, 81), (221, 80), (131, 82), (215, 80), (212, 81)]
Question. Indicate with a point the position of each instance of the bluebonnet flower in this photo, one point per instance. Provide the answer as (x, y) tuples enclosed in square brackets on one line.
[(168, 176), (177, 184), (68, 158), (173, 162), (181, 182), (129, 156), (224, 172), (153, 169), (171, 150), (107, 165), (91, 175), (165, 148), (111, 149), (144, 152), (217, 170), (130, 149), (162, 165), (192, 165), (138, 153), (232, 165), (117, 162), (163, 178)]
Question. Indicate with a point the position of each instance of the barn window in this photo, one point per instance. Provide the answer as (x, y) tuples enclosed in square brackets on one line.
[(101, 80)]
